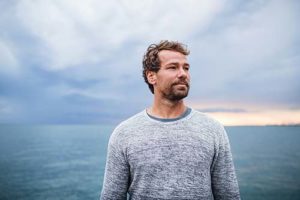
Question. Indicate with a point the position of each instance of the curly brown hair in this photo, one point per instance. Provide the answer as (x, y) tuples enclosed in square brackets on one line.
[(151, 60)]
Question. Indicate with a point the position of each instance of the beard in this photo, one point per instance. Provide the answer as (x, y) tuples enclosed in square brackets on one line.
[(177, 91)]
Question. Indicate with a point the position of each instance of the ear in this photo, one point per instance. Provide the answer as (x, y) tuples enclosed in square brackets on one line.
[(151, 77)]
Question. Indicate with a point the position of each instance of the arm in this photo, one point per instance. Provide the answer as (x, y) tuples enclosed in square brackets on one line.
[(116, 177), (223, 177)]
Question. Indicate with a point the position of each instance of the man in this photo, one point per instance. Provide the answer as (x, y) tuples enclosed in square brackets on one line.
[(169, 151)]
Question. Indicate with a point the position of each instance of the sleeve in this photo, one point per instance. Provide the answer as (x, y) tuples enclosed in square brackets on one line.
[(116, 176), (223, 177)]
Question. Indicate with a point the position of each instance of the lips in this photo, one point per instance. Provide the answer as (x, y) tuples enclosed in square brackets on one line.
[(181, 83)]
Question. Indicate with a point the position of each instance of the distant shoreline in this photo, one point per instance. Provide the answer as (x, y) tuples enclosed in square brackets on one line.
[(114, 124)]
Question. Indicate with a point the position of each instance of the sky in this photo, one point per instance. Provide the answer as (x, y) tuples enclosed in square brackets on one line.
[(80, 62)]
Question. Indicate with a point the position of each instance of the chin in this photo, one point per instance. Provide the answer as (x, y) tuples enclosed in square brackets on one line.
[(178, 97)]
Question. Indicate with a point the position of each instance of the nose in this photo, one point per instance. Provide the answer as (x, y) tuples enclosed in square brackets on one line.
[(182, 72)]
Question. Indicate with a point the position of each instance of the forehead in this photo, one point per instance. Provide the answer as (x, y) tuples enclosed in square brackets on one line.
[(168, 56)]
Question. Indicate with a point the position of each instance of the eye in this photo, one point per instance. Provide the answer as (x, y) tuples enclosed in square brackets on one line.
[(172, 67), (187, 68)]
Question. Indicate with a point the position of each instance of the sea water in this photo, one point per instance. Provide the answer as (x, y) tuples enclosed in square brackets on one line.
[(67, 162)]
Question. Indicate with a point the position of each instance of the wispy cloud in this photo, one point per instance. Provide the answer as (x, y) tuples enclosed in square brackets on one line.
[(227, 110), (75, 33), (247, 114), (8, 59), (78, 62), (254, 53)]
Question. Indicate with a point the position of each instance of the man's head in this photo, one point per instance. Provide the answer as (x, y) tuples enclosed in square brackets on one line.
[(160, 57)]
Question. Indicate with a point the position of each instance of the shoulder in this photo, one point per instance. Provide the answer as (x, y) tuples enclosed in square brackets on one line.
[(211, 127), (204, 118), (207, 121), (128, 126), (132, 122)]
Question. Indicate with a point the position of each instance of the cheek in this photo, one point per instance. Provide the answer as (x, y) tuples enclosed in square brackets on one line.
[(165, 80), (164, 84)]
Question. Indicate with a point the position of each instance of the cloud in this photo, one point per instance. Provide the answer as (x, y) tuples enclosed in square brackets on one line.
[(250, 57), (72, 61), (267, 117), (228, 110), (10, 110), (8, 61), (5, 108), (242, 114), (76, 33)]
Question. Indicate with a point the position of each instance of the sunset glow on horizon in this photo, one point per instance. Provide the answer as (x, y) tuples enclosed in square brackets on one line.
[(249, 115)]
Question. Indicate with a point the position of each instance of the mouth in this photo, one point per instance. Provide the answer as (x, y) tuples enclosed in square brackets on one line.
[(181, 84)]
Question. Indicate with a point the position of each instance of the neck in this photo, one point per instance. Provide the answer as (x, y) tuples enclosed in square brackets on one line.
[(167, 109)]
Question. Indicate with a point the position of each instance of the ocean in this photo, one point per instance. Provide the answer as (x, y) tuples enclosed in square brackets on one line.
[(67, 161)]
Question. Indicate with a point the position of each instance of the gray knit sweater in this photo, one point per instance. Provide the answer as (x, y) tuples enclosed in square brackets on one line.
[(184, 158)]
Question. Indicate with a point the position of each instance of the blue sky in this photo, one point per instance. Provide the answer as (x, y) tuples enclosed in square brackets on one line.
[(80, 62)]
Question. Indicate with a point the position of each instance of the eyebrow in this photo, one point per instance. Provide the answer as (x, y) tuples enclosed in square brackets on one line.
[(176, 63)]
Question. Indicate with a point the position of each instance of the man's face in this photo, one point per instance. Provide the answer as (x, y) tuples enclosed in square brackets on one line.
[(173, 78)]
